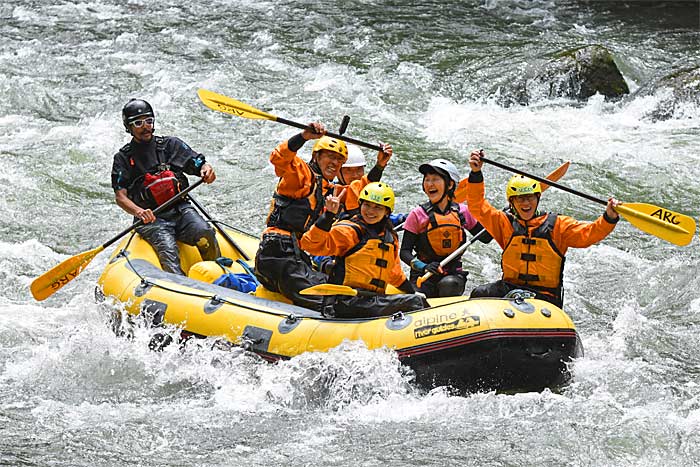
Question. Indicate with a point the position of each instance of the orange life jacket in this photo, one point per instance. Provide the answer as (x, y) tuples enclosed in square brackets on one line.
[(532, 259), (444, 233), (368, 264)]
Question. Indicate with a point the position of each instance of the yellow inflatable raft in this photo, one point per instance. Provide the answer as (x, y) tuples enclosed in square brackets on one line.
[(470, 345)]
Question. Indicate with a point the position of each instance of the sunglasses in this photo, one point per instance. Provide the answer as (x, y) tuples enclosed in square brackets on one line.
[(140, 123)]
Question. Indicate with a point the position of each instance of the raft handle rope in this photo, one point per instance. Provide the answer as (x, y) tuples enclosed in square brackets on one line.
[(145, 282)]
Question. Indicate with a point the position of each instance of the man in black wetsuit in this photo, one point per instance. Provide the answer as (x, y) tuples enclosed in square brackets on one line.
[(147, 172)]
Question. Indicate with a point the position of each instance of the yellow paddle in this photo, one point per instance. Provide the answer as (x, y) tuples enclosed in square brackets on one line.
[(553, 176), (55, 278), (329, 289), (227, 105), (673, 227), (461, 191)]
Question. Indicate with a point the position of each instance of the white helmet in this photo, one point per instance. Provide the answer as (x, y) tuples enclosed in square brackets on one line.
[(356, 158), (443, 167)]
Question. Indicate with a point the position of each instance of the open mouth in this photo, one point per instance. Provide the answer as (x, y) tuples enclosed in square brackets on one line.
[(432, 193)]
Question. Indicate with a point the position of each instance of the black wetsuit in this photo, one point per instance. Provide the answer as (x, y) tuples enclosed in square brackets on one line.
[(181, 222)]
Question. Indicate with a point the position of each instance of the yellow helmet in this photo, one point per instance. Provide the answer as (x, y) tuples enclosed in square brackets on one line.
[(332, 144), (378, 192), (520, 185)]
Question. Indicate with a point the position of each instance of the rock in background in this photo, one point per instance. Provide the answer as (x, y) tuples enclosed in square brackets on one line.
[(575, 74), (678, 94)]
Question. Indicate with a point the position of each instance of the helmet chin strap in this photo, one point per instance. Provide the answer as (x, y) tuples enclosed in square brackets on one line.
[(341, 179), (444, 195), (315, 167)]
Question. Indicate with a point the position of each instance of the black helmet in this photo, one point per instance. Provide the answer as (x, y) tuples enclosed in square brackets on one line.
[(134, 109)]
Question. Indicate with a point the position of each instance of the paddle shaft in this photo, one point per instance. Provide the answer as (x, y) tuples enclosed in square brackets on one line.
[(223, 233), (453, 255), (461, 249), (225, 104), (331, 134), (54, 279), (548, 182), (163, 207)]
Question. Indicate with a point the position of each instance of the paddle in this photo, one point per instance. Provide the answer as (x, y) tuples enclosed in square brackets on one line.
[(54, 279), (335, 289), (225, 104), (329, 289), (552, 177), (461, 191), (223, 233), (673, 227)]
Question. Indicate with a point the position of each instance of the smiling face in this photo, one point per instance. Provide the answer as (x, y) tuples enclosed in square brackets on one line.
[(329, 162), (525, 205), (434, 187), (373, 212)]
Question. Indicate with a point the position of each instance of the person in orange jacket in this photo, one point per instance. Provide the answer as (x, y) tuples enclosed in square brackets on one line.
[(280, 265), (534, 244), (366, 248), (352, 174)]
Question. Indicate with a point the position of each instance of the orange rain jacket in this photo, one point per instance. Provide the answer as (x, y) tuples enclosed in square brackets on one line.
[(567, 232), (297, 179), (340, 240)]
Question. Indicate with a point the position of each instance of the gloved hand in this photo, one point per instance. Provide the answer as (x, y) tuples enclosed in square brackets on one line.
[(323, 264), (418, 265), (434, 268), (420, 294), (397, 219)]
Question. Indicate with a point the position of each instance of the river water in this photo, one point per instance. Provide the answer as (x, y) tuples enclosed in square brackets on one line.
[(424, 77)]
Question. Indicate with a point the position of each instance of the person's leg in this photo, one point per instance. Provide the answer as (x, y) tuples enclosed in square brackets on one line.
[(451, 285), (556, 301), (502, 288), (161, 236), (281, 267), (297, 275), (269, 250), (428, 287), (364, 306), (492, 289), (193, 230)]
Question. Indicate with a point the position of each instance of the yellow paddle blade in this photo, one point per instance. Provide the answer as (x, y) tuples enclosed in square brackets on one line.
[(671, 226), (461, 191), (329, 289), (227, 105), (52, 280)]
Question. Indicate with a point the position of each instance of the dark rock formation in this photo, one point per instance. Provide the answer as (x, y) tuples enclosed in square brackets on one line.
[(678, 94), (576, 74)]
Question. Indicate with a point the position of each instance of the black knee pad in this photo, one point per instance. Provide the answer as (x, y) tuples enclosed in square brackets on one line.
[(451, 286), (208, 246)]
